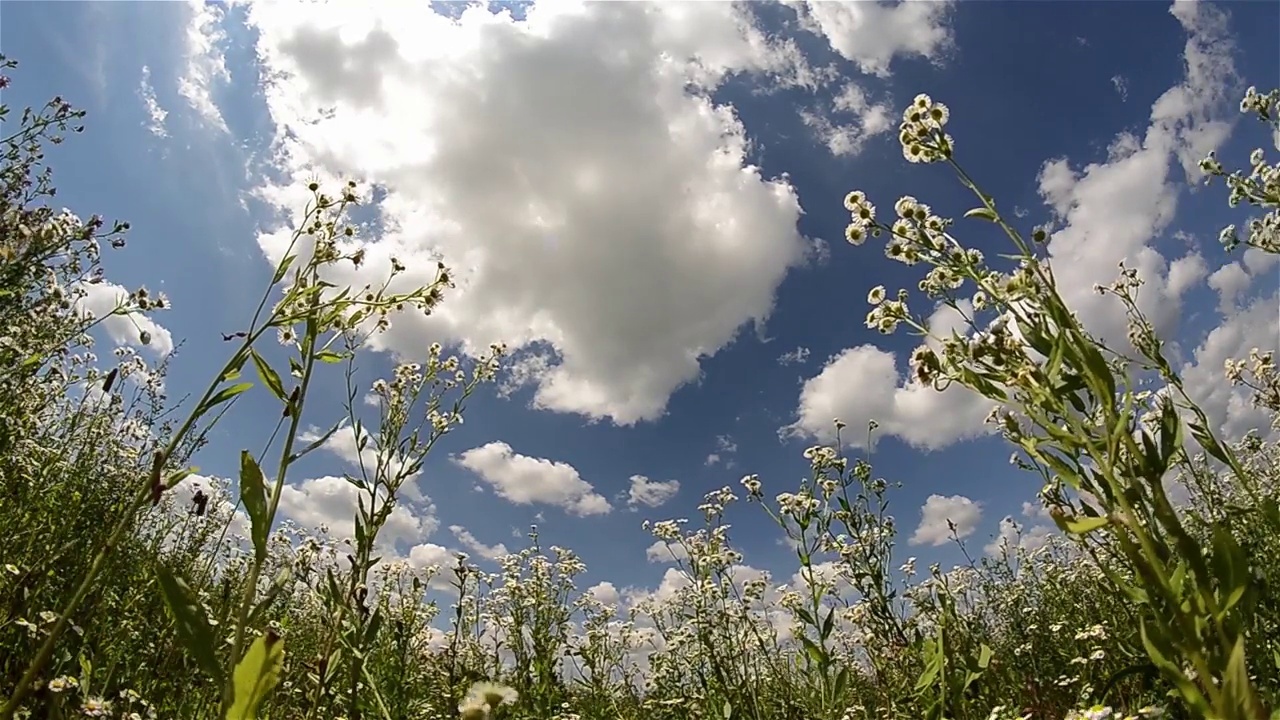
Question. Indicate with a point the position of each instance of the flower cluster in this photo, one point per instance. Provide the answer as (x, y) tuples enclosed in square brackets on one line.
[(921, 131)]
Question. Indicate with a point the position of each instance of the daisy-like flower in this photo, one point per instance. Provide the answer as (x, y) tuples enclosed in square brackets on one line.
[(937, 115), (864, 213), (877, 295), (853, 200), (905, 207), (855, 234), (483, 698), (95, 707)]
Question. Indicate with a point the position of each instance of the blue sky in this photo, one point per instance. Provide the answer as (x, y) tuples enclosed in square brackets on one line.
[(582, 169)]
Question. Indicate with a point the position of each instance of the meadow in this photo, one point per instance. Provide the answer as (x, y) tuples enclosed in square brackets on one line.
[(127, 593)]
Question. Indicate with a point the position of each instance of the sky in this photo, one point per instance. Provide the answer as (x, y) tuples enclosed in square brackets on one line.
[(644, 202)]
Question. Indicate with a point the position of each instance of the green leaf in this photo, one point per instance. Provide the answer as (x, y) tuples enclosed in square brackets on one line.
[(255, 676), (269, 377), (317, 442), (194, 631), (806, 616), (828, 623), (984, 657), (982, 213), (283, 268), (1158, 650), (224, 395), (1208, 442), (329, 356), (815, 653), (1237, 691), (253, 493), (842, 681), (1084, 525)]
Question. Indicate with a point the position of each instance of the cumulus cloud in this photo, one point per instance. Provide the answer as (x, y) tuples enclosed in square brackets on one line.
[(440, 560), (596, 205), (1227, 407), (873, 34), (1113, 211), (651, 493), (940, 513), (661, 552), (1232, 280), (527, 480), (1012, 535), (605, 593), (331, 502), (101, 299), (863, 383)]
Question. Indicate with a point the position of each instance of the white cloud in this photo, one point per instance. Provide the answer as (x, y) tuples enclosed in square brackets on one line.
[(846, 138), (535, 156), (1121, 84), (469, 541), (205, 65), (799, 355), (1114, 210), (1012, 535), (155, 114), (940, 512), (1233, 279), (872, 34), (661, 552), (527, 480), (651, 493), (863, 383), (439, 558), (331, 502), (605, 593), (1228, 408), (1230, 281), (1259, 261), (102, 298), (725, 449), (343, 444)]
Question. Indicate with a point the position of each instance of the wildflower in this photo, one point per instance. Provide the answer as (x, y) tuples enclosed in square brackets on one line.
[(1097, 712), (95, 707), (855, 234), (483, 698), (853, 200), (877, 295), (63, 683)]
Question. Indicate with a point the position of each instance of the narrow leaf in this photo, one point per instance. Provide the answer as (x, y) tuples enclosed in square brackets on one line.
[(983, 213), (194, 631), (225, 394), (269, 376), (284, 268), (253, 493)]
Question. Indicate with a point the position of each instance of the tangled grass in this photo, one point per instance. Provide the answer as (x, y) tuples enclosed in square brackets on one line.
[(1158, 598)]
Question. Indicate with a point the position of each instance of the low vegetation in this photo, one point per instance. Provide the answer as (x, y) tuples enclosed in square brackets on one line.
[(132, 588)]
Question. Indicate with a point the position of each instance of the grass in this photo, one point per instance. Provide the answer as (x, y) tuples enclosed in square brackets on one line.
[(126, 592)]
